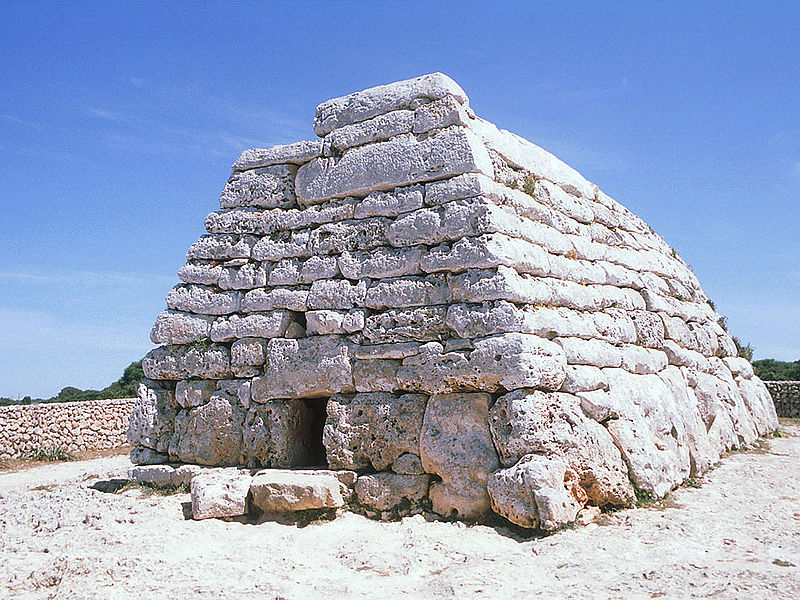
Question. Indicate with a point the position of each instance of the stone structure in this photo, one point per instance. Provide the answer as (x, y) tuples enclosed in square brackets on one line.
[(69, 426), (445, 311), (786, 395)]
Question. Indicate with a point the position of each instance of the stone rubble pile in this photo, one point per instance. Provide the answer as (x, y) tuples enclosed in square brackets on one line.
[(446, 311), (786, 395)]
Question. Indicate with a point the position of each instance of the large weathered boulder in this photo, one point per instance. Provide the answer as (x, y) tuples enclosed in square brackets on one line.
[(289, 491), (456, 445), (220, 493), (390, 491), (352, 439)]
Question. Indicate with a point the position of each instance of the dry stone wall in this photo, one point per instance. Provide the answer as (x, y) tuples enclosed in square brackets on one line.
[(786, 395), (448, 311), (69, 426)]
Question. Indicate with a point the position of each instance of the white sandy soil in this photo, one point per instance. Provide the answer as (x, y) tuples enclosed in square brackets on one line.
[(737, 536)]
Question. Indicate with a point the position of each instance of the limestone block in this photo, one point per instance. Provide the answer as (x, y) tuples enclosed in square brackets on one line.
[(275, 299), (390, 204), (407, 292), (220, 493), (468, 185), (182, 362), (311, 367), (276, 490), (381, 263), (584, 378), (194, 392), (739, 366), (297, 153), (209, 434), (349, 236), (452, 222), (386, 165), (207, 273), (532, 422), (328, 322), (377, 129), (336, 294), (318, 267), (509, 361), (503, 283), (676, 329), (372, 429), (221, 247), (203, 300), (644, 420), (164, 475), (248, 352), (175, 327), (590, 352), (438, 114), (682, 357), (705, 339), (643, 360), (649, 328), (522, 154), (380, 351), (382, 99), (456, 445), (562, 201), (759, 404), (485, 252), (153, 416), (533, 493), (389, 491), (407, 464), (142, 455), (285, 272), (379, 375), (283, 244), (246, 277), (265, 187), (263, 325), (420, 324)]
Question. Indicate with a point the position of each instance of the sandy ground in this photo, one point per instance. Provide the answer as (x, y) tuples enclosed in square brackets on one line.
[(737, 536)]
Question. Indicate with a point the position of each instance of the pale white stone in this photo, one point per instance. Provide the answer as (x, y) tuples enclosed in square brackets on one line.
[(377, 129), (739, 366), (200, 272), (350, 236), (151, 421), (220, 493), (438, 114), (407, 292), (337, 294), (328, 322), (182, 362), (643, 360), (275, 298), (194, 392), (318, 267), (683, 357), (221, 247), (297, 153), (584, 378), (175, 327), (390, 204), (590, 352), (202, 299), (266, 187), (276, 490), (386, 165), (457, 446), (381, 263), (387, 491), (363, 105), (262, 325), (246, 277), (487, 251), (305, 368), (292, 244)]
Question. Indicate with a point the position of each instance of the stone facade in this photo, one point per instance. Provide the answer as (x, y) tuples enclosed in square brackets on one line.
[(786, 395), (69, 426), (447, 311)]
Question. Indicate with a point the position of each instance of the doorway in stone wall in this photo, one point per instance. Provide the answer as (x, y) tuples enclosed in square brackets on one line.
[(316, 456)]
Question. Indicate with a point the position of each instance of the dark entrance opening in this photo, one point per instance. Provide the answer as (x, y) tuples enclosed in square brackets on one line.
[(316, 456)]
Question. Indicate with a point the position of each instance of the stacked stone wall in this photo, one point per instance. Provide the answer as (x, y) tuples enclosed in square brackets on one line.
[(786, 395), (479, 319), (69, 426)]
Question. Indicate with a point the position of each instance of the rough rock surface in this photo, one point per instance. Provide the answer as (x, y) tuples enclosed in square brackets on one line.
[(289, 491), (419, 296)]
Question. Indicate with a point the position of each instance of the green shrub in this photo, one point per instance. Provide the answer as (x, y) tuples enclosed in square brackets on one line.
[(56, 454), (776, 370)]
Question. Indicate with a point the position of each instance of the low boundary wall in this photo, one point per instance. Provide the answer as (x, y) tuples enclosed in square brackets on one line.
[(71, 426), (786, 395)]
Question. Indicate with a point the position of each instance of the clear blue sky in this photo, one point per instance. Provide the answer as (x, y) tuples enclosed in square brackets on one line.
[(118, 123)]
